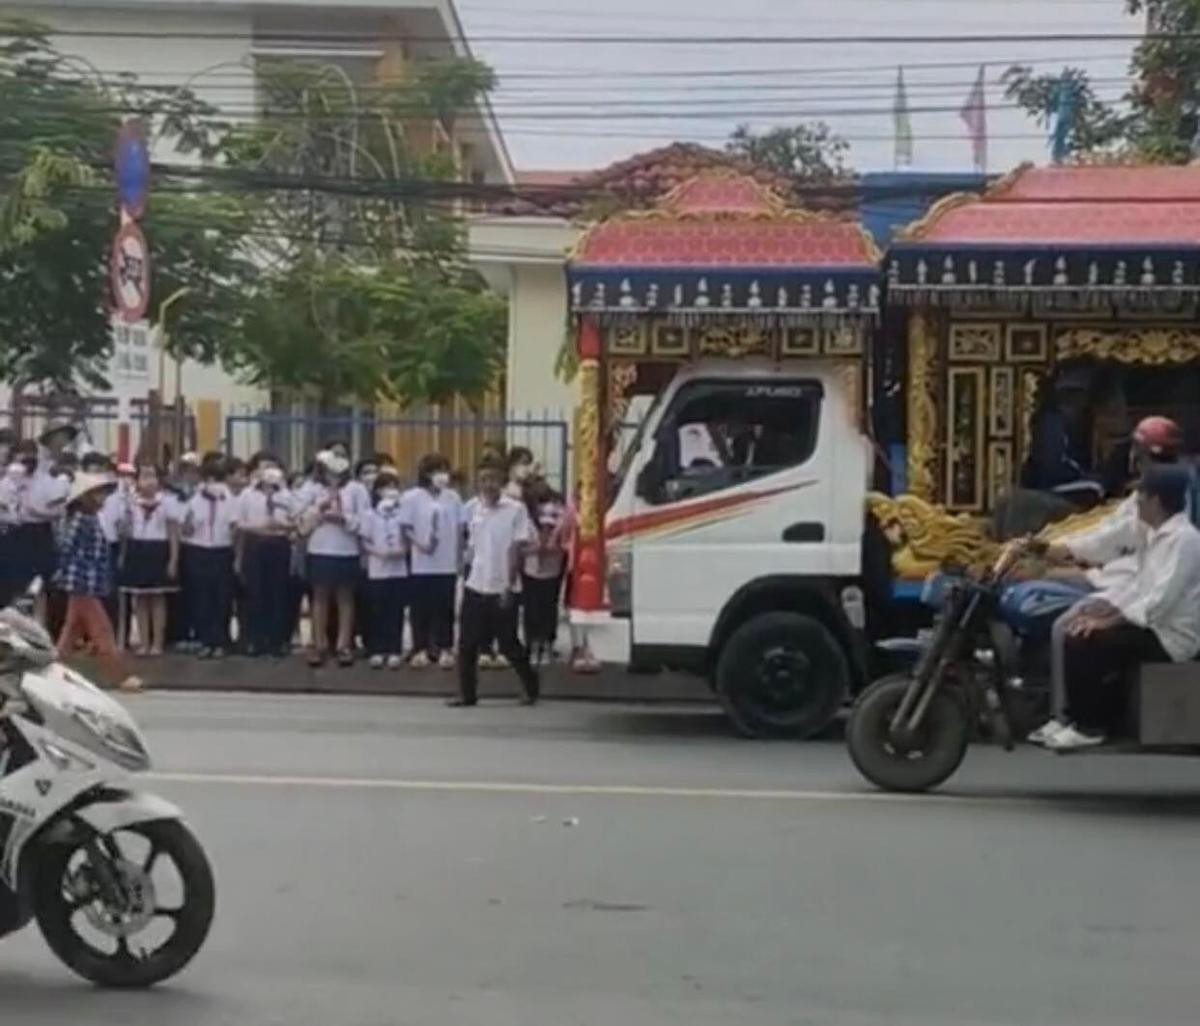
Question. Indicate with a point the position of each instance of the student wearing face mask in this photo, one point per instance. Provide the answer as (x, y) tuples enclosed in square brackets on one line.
[(330, 523), (386, 548), (150, 556), (265, 523), (208, 523), (434, 522), (521, 469)]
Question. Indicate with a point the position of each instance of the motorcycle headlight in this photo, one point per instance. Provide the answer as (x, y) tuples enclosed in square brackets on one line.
[(113, 738)]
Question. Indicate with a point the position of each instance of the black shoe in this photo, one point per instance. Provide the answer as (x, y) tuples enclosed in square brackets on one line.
[(460, 703)]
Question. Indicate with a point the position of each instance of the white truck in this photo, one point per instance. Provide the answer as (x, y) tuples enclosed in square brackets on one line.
[(734, 541)]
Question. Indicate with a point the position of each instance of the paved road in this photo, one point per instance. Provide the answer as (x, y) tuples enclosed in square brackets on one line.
[(391, 861)]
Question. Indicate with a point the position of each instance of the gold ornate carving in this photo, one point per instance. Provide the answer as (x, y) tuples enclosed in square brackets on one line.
[(844, 341), (1148, 347), (849, 373), (925, 537), (975, 342), (1031, 385), (622, 377), (669, 340), (965, 438), (588, 447), (628, 339), (800, 341), (922, 405), (734, 340)]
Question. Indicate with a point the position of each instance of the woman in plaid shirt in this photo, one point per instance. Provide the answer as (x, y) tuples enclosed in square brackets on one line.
[(85, 573)]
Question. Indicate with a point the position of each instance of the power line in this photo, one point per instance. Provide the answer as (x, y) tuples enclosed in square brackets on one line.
[(596, 39)]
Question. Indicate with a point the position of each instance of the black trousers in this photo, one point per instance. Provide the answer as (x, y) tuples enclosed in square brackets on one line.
[(1098, 669), (432, 605), (482, 618), (383, 625), (180, 627), (209, 594), (539, 603), (266, 624)]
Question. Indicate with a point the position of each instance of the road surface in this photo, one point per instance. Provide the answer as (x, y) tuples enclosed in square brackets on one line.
[(392, 861)]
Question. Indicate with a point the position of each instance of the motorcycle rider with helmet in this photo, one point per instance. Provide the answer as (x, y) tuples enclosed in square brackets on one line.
[(1110, 551)]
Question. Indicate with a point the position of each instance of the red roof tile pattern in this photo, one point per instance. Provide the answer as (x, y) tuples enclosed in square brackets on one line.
[(1104, 205), (721, 219)]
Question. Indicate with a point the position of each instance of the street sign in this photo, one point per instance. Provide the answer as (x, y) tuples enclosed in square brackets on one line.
[(130, 272), (131, 347), (132, 168)]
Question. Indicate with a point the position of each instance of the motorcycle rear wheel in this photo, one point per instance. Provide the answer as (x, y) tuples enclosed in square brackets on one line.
[(57, 909), (934, 757)]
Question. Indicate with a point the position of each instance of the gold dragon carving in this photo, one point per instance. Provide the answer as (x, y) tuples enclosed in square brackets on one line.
[(588, 447), (1149, 347), (925, 536), (922, 405)]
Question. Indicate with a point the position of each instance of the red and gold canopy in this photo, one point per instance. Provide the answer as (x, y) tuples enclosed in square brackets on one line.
[(1074, 237), (724, 242)]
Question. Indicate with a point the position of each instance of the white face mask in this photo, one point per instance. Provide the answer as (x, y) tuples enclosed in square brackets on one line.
[(441, 479), (389, 500), (521, 471)]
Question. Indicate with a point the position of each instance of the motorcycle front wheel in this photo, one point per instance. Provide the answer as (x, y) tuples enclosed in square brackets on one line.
[(154, 931), (925, 762)]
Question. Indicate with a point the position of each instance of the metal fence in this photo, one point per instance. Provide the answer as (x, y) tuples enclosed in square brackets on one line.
[(99, 428), (294, 438)]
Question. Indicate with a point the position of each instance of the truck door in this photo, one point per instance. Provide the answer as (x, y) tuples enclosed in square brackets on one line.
[(738, 488)]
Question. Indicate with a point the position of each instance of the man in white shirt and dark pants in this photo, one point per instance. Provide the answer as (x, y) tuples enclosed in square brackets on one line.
[(499, 532), (1152, 616)]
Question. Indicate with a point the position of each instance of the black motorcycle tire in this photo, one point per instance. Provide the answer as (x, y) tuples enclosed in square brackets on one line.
[(818, 665), (947, 732), (192, 924)]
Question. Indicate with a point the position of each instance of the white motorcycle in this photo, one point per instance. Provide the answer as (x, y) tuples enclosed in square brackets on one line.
[(121, 889)]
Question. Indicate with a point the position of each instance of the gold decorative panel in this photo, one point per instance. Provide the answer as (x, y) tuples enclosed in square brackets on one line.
[(845, 341), (965, 437), (734, 340), (1147, 347), (1002, 400), (628, 339), (974, 343), (1001, 472), (1027, 399), (1025, 343), (800, 341), (669, 340)]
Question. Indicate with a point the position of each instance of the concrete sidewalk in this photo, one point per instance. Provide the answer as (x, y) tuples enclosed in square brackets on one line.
[(294, 676)]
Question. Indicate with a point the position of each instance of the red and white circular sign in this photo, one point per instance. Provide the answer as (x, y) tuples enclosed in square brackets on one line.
[(129, 270)]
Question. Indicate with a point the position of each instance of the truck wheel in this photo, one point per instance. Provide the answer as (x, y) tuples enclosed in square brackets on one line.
[(934, 756), (782, 675)]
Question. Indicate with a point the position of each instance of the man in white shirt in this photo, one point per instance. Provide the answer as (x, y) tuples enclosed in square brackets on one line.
[(265, 521), (499, 532), (1109, 551), (1152, 616)]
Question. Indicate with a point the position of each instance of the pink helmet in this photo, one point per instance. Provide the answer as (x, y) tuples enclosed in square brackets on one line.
[(1161, 437)]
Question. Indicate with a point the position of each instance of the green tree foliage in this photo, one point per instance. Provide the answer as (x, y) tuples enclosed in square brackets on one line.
[(809, 154), (1158, 117)]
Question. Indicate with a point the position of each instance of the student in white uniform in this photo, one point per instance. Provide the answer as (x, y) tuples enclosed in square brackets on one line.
[(266, 524), (44, 505), (207, 534), (433, 515), (150, 557), (499, 533), (386, 548), (330, 523)]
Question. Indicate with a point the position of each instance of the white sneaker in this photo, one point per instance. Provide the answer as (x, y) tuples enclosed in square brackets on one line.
[(1046, 731), (419, 661), (394, 662), (1072, 738), (487, 661), (376, 662), (446, 660)]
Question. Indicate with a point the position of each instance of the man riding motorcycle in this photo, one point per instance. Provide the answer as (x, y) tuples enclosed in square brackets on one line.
[(1110, 551)]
